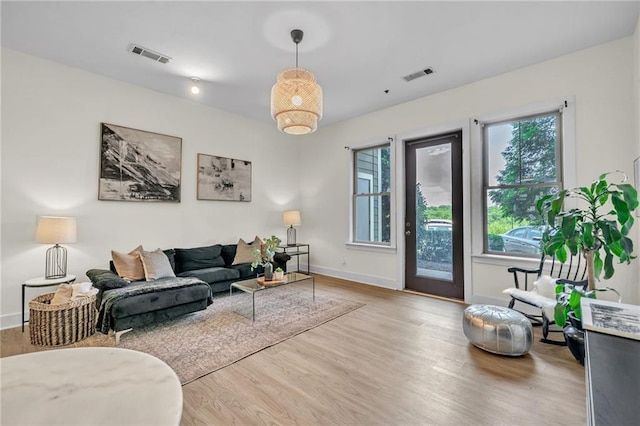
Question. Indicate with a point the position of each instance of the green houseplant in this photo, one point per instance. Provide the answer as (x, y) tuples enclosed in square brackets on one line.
[(263, 256), (598, 227)]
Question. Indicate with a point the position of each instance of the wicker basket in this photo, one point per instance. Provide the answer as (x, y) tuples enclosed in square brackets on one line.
[(55, 325)]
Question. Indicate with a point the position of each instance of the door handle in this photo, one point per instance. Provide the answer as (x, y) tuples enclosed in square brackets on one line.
[(407, 233)]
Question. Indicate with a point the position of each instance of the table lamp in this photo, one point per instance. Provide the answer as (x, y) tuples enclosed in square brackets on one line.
[(56, 230), (290, 218)]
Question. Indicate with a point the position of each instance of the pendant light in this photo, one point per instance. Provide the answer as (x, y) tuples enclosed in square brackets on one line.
[(296, 98)]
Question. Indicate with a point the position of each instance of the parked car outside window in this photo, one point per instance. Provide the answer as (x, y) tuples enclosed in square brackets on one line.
[(441, 224), (524, 239)]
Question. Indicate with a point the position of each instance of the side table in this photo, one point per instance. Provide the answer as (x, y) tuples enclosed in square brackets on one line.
[(296, 251), (89, 386), (43, 282)]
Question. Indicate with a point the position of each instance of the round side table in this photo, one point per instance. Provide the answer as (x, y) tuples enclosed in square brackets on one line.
[(43, 282), (89, 386)]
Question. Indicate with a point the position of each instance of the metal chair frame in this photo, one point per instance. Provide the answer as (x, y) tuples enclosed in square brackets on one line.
[(574, 271)]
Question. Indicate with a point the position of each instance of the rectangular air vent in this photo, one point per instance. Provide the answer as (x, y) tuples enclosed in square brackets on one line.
[(148, 53), (420, 73)]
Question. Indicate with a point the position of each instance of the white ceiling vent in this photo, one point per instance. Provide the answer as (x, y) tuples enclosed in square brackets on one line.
[(148, 53), (420, 73)]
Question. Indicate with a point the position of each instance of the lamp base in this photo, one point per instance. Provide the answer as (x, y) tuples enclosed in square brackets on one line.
[(56, 265), (291, 236)]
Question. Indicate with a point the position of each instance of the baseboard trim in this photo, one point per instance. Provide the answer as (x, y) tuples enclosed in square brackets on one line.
[(361, 278), (433, 296), (489, 300), (10, 321)]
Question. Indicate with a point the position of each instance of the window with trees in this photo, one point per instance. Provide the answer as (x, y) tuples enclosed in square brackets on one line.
[(522, 163), (372, 195)]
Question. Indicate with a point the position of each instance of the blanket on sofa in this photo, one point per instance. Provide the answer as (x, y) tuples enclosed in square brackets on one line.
[(112, 296)]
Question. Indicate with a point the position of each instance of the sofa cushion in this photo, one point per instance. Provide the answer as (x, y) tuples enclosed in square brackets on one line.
[(129, 265), (198, 258), (167, 298), (171, 255), (244, 269), (211, 275), (229, 253), (105, 280), (156, 265), (244, 251)]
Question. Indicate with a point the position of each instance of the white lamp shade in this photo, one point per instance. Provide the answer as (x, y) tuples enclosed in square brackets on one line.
[(291, 218), (56, 230)]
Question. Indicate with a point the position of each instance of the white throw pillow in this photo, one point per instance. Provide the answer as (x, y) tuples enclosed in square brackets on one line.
[(156, 265), (546, 286), (83, 290)]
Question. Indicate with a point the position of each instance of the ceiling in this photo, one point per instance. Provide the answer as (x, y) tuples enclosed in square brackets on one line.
[(358, 50)]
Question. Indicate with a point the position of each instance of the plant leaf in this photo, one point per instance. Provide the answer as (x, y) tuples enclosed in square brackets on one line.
[(560, 315), (597, 264), (608, 265), (630, 195)]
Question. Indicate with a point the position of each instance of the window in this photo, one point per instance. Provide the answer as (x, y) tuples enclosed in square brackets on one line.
[(522, 163), (372, 195)]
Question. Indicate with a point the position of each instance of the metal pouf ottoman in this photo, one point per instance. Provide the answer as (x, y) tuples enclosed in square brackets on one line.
[(497, 329)]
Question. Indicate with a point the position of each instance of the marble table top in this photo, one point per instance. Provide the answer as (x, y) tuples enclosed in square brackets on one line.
[(89, 386)]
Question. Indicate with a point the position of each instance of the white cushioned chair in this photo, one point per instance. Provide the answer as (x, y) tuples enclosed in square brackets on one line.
[(541, 293)]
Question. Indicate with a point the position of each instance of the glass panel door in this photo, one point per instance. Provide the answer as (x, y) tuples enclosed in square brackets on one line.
[(434, 228), (433, 222)]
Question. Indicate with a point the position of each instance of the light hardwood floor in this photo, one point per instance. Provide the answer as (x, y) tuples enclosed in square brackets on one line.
[(400, 360)]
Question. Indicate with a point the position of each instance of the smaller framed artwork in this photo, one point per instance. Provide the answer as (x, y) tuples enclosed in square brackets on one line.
[(223, 179)]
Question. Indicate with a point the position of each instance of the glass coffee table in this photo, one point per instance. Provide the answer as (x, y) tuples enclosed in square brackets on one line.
[(256, 285)]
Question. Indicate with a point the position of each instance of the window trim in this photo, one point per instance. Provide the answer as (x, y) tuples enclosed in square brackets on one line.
[(372, 245), (569, 167), (486, 187)]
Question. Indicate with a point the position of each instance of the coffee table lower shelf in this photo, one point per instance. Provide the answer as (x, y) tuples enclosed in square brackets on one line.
[(254, 286)]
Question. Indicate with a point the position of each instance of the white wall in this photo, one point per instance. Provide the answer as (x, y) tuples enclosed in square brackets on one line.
[(600, 79), (51, 117)]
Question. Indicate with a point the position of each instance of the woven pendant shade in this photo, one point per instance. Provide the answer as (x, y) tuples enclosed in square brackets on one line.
[(296, 101)]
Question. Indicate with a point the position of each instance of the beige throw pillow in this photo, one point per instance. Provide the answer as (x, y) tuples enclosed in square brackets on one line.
[(129, 265), (156, 265), (63, 294), (244, 251)]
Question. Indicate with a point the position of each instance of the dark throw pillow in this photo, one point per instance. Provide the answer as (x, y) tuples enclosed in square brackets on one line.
[(228, 253), (103, 279), (198, 258), (171, 255)]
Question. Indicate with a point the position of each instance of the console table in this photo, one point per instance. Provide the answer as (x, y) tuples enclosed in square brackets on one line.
[(612, 362), (296, 251), (43, 282), (89, 386)]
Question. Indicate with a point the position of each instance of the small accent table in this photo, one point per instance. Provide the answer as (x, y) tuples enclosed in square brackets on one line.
[(296, 251), (43, 282), (89, 386), (253, 286)]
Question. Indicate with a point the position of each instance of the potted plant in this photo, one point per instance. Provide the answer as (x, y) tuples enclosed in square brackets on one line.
[(598, 227), (568, 314), (263, 256), (278, 274)]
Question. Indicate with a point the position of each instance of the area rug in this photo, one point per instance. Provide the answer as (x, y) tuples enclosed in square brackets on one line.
[(200, 343)]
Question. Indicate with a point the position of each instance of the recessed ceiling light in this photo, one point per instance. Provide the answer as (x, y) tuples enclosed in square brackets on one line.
[(195, 88)]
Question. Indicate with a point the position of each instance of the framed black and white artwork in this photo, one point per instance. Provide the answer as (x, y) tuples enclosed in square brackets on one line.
[(136, 165), (223, 179)]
